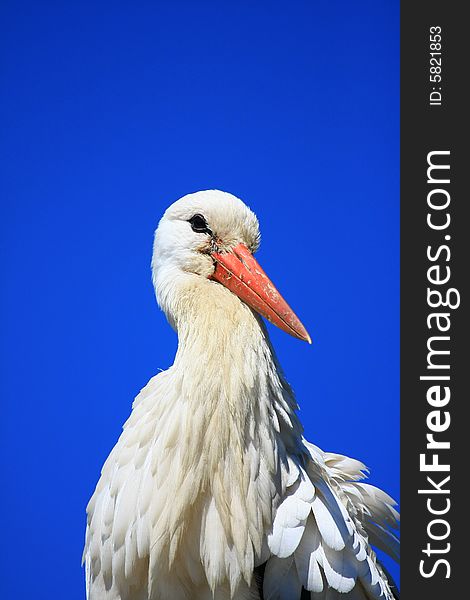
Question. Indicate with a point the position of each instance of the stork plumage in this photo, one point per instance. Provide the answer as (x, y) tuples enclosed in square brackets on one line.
[(211, 491)]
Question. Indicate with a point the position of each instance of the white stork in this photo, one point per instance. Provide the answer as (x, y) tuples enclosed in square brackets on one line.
[(211, 491)]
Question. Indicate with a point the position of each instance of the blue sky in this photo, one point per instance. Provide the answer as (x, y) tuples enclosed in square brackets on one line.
[(110, 112)]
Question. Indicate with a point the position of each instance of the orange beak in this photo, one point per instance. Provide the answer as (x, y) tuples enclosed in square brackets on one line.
[(241, 274)]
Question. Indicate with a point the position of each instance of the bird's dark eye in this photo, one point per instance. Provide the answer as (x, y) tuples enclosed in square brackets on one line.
[(199, 224)]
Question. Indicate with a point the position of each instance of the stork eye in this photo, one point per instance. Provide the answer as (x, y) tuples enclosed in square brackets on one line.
[(199, 224)]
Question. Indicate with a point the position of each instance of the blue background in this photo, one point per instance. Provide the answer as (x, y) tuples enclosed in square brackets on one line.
[(110, 112)]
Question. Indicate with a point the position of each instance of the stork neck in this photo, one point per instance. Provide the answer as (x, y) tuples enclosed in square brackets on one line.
[(221, 338), (228, 368)]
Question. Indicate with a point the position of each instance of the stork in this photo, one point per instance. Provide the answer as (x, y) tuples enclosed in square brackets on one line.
[(212, 492)]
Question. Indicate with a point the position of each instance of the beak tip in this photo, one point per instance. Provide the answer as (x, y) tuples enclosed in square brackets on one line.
[(308, 339)]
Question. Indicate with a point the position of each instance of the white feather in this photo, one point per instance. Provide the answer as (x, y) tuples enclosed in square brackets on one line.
[(307, 557)]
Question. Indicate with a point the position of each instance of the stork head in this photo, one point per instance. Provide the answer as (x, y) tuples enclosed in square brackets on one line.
[(213, 235)]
